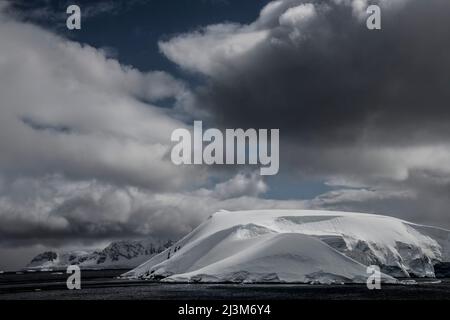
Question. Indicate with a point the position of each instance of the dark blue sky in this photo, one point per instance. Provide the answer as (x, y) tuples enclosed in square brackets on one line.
[(133, 28)]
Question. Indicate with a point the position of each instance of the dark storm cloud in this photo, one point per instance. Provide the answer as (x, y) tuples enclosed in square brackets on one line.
[(313, 69), (339, 83), (348, 100), (368, 108)]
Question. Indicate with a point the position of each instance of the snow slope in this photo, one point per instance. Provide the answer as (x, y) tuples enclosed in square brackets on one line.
[(121, 254), (298, 246)]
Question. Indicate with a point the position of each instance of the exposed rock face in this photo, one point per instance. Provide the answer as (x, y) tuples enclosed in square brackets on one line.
[(45, 257), (121, 254)]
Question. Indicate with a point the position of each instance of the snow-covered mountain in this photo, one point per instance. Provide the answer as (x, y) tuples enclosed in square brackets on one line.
[(121, 254), (299, 246)]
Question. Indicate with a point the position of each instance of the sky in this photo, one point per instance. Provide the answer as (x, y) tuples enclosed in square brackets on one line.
[(86, 115)]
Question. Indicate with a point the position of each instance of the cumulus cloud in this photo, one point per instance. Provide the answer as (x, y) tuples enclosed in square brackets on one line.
[(56, 211), (85, 149), (223, 42), (78, 131), (67, 108), (298, 15), (239, 185)]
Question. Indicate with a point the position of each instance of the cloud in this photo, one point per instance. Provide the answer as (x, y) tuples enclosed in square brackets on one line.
[(223, 42), (296, 16), (40, 214), (85, 148), (57, 211), (361, 105), (418, 199), (239, 185), (67, 108), (337, 84)]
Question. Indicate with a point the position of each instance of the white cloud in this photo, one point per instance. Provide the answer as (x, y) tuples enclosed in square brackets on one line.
[(67, 108), (238, 186), (84, 159), (215, 49), (55, 210), (205, 50), (298, 16), (270, 10), (337, 198)]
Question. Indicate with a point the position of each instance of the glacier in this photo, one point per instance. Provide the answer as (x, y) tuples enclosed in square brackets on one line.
[(299, 246)]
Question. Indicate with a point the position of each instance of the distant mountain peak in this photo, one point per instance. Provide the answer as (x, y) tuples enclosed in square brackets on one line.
[(118, 254)]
